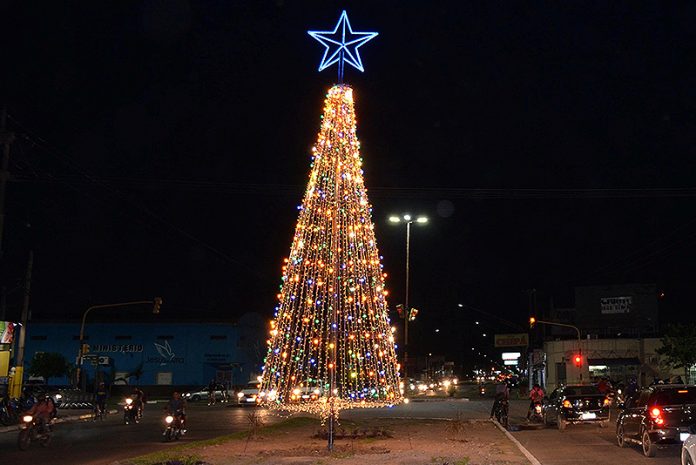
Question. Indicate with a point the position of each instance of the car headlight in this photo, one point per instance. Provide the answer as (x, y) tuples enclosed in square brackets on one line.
[(27, 418), (240, 395), (58, 396)]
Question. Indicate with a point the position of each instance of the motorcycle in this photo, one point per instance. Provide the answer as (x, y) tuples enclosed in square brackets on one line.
[(536, 415), (501, 412), (9, 411), (174, 427), (130, 412), (482, 390), (30, 431)]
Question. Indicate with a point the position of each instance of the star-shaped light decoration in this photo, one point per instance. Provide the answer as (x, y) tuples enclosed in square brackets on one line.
[(342, 45)]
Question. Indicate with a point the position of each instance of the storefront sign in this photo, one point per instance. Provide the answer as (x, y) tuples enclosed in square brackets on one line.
[(122, 348), (615, 305), (511, 340)]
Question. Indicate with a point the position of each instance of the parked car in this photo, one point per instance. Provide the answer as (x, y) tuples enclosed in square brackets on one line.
[(688, 452), (202, 394), (660, 414), (576, 404)]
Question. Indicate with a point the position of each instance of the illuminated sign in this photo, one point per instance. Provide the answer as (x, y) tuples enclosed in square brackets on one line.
[(512, 340), (511, 355), (510, 362), (7, 330)]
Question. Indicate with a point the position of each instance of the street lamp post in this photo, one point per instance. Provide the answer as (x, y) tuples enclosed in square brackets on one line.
[(409, 220), (156, 303), (533, 321)]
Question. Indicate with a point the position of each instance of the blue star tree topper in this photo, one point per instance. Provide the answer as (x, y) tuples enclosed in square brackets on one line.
[(342, 45)]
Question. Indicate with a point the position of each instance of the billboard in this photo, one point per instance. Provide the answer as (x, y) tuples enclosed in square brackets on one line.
[(512, 340), (7, 329), (614, 305)]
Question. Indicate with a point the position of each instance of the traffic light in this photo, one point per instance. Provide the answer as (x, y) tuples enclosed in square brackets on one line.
[(412, 314), (532, 321), (400, 310), (578, 360), (157, 303)]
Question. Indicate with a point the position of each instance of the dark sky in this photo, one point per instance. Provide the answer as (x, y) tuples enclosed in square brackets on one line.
[(163, 147)]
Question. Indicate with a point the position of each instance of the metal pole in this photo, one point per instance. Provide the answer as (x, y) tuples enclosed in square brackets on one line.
[(567, 326), (80, 353), (6, 138), (19, 361), (407, 311), (334, 317)]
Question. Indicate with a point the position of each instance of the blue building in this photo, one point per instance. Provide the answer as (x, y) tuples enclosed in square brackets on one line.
[(174, 354)]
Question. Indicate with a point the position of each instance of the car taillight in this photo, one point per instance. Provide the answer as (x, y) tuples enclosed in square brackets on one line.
[(567, 404), (656, 415), (606, 401)]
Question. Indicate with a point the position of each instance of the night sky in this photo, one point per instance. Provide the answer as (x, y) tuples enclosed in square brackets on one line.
[(163, 147)]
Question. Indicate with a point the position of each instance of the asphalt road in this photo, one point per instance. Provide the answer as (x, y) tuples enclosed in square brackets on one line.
[(100, 443), (582, 444)]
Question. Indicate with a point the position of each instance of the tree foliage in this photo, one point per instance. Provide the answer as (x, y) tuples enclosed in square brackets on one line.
[(679, 346), (49, 365)]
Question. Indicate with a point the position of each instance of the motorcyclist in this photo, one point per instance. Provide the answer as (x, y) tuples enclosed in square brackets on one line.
[(536, 396), (43, 411), (502, 394), (176, 407)]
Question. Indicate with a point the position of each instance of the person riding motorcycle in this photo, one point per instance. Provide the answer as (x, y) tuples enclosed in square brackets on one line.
[(536, 396), (176, 407), (43, 411), (502, 394)]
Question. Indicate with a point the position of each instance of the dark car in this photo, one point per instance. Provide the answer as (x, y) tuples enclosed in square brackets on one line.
[(575, 404), (661, 414)]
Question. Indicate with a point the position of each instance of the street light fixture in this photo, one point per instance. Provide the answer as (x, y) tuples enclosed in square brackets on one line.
[(408, 219)]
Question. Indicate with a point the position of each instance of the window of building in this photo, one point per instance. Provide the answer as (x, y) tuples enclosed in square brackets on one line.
[(218, 337), (123, 338), (38, 338)]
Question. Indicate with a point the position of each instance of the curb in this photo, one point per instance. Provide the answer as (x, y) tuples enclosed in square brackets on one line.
[(519, 445), (86, 416)]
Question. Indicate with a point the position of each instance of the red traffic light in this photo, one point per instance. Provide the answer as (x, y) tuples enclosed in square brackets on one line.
[(578, 360)]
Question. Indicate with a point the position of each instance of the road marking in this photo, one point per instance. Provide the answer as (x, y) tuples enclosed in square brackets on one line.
[(522, 449)]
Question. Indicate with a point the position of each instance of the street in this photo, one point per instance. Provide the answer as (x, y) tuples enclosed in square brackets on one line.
[(87, 443), (581, 444), (99, 443)]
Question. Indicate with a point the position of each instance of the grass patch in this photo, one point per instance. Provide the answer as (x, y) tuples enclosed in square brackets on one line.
[(179, 452)]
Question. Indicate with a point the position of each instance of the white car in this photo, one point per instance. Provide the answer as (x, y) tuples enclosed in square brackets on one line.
[(688, 453), (248, 395)]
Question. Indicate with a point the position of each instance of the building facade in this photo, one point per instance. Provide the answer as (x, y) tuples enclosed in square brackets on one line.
[(176, 354), (616, 359)]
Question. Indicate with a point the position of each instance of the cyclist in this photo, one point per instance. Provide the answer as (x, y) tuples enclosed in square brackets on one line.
[(100, 398)]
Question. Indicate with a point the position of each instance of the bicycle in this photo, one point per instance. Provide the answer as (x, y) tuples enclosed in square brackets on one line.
[(98, 413)]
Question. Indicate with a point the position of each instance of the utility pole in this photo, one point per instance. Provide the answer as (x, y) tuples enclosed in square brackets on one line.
[(6, 139), (16, 389)]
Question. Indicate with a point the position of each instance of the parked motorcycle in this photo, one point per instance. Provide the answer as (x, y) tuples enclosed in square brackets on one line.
[(130, 412), (174, 427), (31, 431), (9, 409)]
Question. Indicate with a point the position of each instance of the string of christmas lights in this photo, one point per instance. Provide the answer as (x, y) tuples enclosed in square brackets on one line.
[(331, 346)]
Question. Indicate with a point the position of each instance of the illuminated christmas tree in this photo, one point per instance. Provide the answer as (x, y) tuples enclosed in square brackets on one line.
[(331, 346)]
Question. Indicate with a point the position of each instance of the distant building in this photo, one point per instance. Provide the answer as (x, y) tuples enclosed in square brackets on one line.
[(177, 354), (616, 359)]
